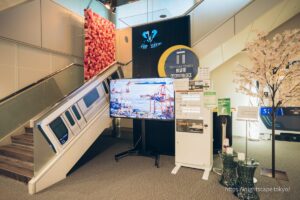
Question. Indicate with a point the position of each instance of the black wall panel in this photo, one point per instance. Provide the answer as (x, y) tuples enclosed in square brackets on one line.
[(217, 131), (160, 135), (169, 33)]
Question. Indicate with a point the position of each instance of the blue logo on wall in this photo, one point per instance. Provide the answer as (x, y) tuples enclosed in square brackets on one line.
[(149, 42)]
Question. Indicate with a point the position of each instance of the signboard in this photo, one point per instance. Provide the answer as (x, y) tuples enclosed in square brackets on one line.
[(224, 106), (178, 61), (188, 105), (204, 73), (267, 111), (189, 126), (248, 113), (210, 99), (149, 41), (200, 85)]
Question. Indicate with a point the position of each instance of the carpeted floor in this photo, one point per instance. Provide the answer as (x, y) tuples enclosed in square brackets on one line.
[(136, 178)]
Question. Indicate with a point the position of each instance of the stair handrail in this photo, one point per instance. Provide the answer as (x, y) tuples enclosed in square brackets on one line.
[(191, 9), (124, 64), (86, 84), (26, 88)]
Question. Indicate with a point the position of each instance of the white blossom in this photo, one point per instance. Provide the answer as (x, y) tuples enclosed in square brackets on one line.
[(274, 76)]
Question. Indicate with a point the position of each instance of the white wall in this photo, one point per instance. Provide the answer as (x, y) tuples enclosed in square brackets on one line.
[(211, 14), (37, 38), (62, 30), (223, 76), (22, 65), (22, 23), (222, 79), (5, 4), (230, 38)]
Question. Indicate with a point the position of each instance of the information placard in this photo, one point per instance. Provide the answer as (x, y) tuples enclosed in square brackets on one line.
[(224, 107), (188, 105), (210, 99), (203, 73), (181, 84), (249, 113)]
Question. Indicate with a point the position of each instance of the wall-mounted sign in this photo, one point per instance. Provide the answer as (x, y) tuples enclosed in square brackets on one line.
[(267, 111), (181, 84), (188, 105), (247, 113), (210, 99), (200, 85), (203, 73), (149, 41), (178, 61), (189, 125), (224, 107)]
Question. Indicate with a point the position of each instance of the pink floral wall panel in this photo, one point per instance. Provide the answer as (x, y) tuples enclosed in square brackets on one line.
[(100, 47)]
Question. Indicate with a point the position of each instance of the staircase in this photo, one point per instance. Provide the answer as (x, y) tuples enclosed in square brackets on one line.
[(16, 159)]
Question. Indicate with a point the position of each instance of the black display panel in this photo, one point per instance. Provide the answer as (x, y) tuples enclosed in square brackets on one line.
[(105, 87), (70, 118), (151, 40), (60, 130), (91, 97), (115, 75), (74, 109)]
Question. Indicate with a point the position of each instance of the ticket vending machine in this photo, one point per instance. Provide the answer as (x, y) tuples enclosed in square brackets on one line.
[(193, 137)]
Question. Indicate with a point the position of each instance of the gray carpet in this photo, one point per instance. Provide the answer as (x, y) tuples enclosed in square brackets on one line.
[(136, 177)]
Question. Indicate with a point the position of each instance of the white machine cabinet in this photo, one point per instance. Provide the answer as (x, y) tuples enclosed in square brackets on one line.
[(193, 137)]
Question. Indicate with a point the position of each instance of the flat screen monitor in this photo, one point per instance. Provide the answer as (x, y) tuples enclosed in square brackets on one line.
[(147, 98)]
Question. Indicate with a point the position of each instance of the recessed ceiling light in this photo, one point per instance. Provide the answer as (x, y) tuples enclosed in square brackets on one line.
[(163, 16), (107, 5)]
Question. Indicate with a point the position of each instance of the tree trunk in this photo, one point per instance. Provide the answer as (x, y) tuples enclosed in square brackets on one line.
[(273, 141)]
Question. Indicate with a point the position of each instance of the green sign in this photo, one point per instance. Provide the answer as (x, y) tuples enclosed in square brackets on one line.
[(224, 107), (210, 99)]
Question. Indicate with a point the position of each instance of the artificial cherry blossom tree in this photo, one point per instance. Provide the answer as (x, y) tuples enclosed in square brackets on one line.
[(274, 77)]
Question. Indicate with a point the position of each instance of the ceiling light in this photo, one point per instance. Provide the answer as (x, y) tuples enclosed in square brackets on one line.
[(107, 5), (162, 16)]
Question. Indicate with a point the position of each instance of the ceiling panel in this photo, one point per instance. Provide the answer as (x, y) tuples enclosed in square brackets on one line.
[(136, 13)]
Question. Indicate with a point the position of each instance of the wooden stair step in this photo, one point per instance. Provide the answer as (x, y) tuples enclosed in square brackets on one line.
[(23, 147), (14, 172), (23, 142), (24, 139), (17, 152), (28, 130), (16, 162), (29, 135)]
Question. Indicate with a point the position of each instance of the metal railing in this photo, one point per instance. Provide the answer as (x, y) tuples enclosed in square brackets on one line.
[(19, 107), (26, 88)]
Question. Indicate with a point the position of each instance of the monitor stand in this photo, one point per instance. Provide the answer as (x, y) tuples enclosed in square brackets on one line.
[(136, 151)]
